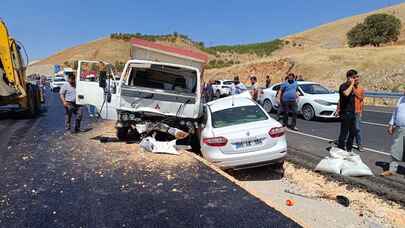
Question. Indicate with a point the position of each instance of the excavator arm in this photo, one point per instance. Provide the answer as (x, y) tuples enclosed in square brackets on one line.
[(12, 69)]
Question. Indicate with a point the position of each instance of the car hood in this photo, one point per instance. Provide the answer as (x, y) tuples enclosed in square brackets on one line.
[(332, 98)]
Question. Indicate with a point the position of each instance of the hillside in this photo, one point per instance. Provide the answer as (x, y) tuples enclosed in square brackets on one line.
[(106, 49), (333, 35), (117, 48), (320, 54)]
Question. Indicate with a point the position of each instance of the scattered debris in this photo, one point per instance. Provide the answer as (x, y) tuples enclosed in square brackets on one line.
[(342, 200), (290, 202)]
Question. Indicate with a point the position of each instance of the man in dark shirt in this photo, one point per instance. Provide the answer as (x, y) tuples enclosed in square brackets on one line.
[(347, 112)]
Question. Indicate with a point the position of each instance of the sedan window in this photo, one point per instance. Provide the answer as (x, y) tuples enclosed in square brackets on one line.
[(228, 82), (314, 89), (277, 87), (237, 115)]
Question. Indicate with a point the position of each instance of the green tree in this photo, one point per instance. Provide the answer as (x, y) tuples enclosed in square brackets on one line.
[(376, 29)]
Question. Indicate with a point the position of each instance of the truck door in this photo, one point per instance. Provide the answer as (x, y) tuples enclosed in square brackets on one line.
[(88, 90)]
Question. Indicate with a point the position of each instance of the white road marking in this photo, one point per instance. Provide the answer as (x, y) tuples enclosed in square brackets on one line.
[(329, 140), (375, 124), (367, 110)]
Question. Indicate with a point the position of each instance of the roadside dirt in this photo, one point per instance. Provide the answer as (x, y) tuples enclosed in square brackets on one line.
[(363, 203)]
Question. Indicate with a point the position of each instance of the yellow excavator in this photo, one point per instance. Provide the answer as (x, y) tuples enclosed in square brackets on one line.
[(16, 92)]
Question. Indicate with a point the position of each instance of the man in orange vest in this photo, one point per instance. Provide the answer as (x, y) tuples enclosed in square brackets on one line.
[(358, 105)]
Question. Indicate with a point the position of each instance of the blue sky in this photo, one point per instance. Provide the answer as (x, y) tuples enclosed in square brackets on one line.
[(48, 26)]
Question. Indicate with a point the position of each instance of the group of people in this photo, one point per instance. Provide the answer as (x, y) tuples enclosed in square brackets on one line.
[(236, 88), (350, 109)]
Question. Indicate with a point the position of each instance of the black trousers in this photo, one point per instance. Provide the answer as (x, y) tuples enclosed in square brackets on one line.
[(347, 131), (290, 106), (70, 110)]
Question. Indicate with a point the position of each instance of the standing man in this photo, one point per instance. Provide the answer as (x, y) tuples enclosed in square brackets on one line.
[(209, 91), (254, 89), (68, 98), (397, 129), (268, 81), (237, 87), (358, 106), (347, 112), (288, 99)]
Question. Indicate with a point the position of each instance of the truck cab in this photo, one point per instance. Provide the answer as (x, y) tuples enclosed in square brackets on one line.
[(159, 88), (152, 92)]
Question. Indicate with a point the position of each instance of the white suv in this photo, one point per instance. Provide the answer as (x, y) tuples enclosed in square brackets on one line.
[(222, 88), (57, 83)]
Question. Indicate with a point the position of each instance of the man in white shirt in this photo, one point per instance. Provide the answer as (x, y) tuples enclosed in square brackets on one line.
[(237, 87), (397, 130), (68, 98)]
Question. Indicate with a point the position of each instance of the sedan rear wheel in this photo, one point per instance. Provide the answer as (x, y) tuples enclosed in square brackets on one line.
[(268, 106), (308, 112)]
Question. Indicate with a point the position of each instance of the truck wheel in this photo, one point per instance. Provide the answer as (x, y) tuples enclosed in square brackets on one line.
[(38, 100), (32, 101), (133, 135), (122, 133), (195, 144)]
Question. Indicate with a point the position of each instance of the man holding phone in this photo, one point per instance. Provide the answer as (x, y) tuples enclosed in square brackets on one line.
[(347, 112)]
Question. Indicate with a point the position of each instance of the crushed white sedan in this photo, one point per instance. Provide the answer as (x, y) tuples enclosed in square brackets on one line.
[(238, 133)]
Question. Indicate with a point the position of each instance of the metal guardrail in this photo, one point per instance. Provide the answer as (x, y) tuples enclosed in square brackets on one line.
[(373, 94)]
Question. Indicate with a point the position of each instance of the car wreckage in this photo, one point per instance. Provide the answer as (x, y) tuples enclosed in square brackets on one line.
[(158, 92)]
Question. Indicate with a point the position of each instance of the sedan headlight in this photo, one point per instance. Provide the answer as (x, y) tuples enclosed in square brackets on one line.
[(323, 102)]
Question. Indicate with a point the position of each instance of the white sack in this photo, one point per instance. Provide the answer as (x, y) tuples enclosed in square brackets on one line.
[(330, 165), (150, 144), (339, 153), (353, 166)]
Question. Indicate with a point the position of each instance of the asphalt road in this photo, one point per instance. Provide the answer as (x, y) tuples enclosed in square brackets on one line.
[(41, 185)]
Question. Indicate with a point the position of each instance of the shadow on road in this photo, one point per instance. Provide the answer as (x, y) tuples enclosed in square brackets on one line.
[(264, 173), (19, 115)]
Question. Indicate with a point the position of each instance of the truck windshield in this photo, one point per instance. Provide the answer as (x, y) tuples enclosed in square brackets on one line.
[(174, 79)]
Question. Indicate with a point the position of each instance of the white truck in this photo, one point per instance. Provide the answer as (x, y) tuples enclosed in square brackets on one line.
[(159, 89)]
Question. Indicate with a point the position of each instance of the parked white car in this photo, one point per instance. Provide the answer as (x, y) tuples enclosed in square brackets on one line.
[(315, 100), (57, 83), (222, 88), (238, 133)]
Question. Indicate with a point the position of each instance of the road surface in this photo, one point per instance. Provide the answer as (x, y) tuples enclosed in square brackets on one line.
[(49, 179)]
